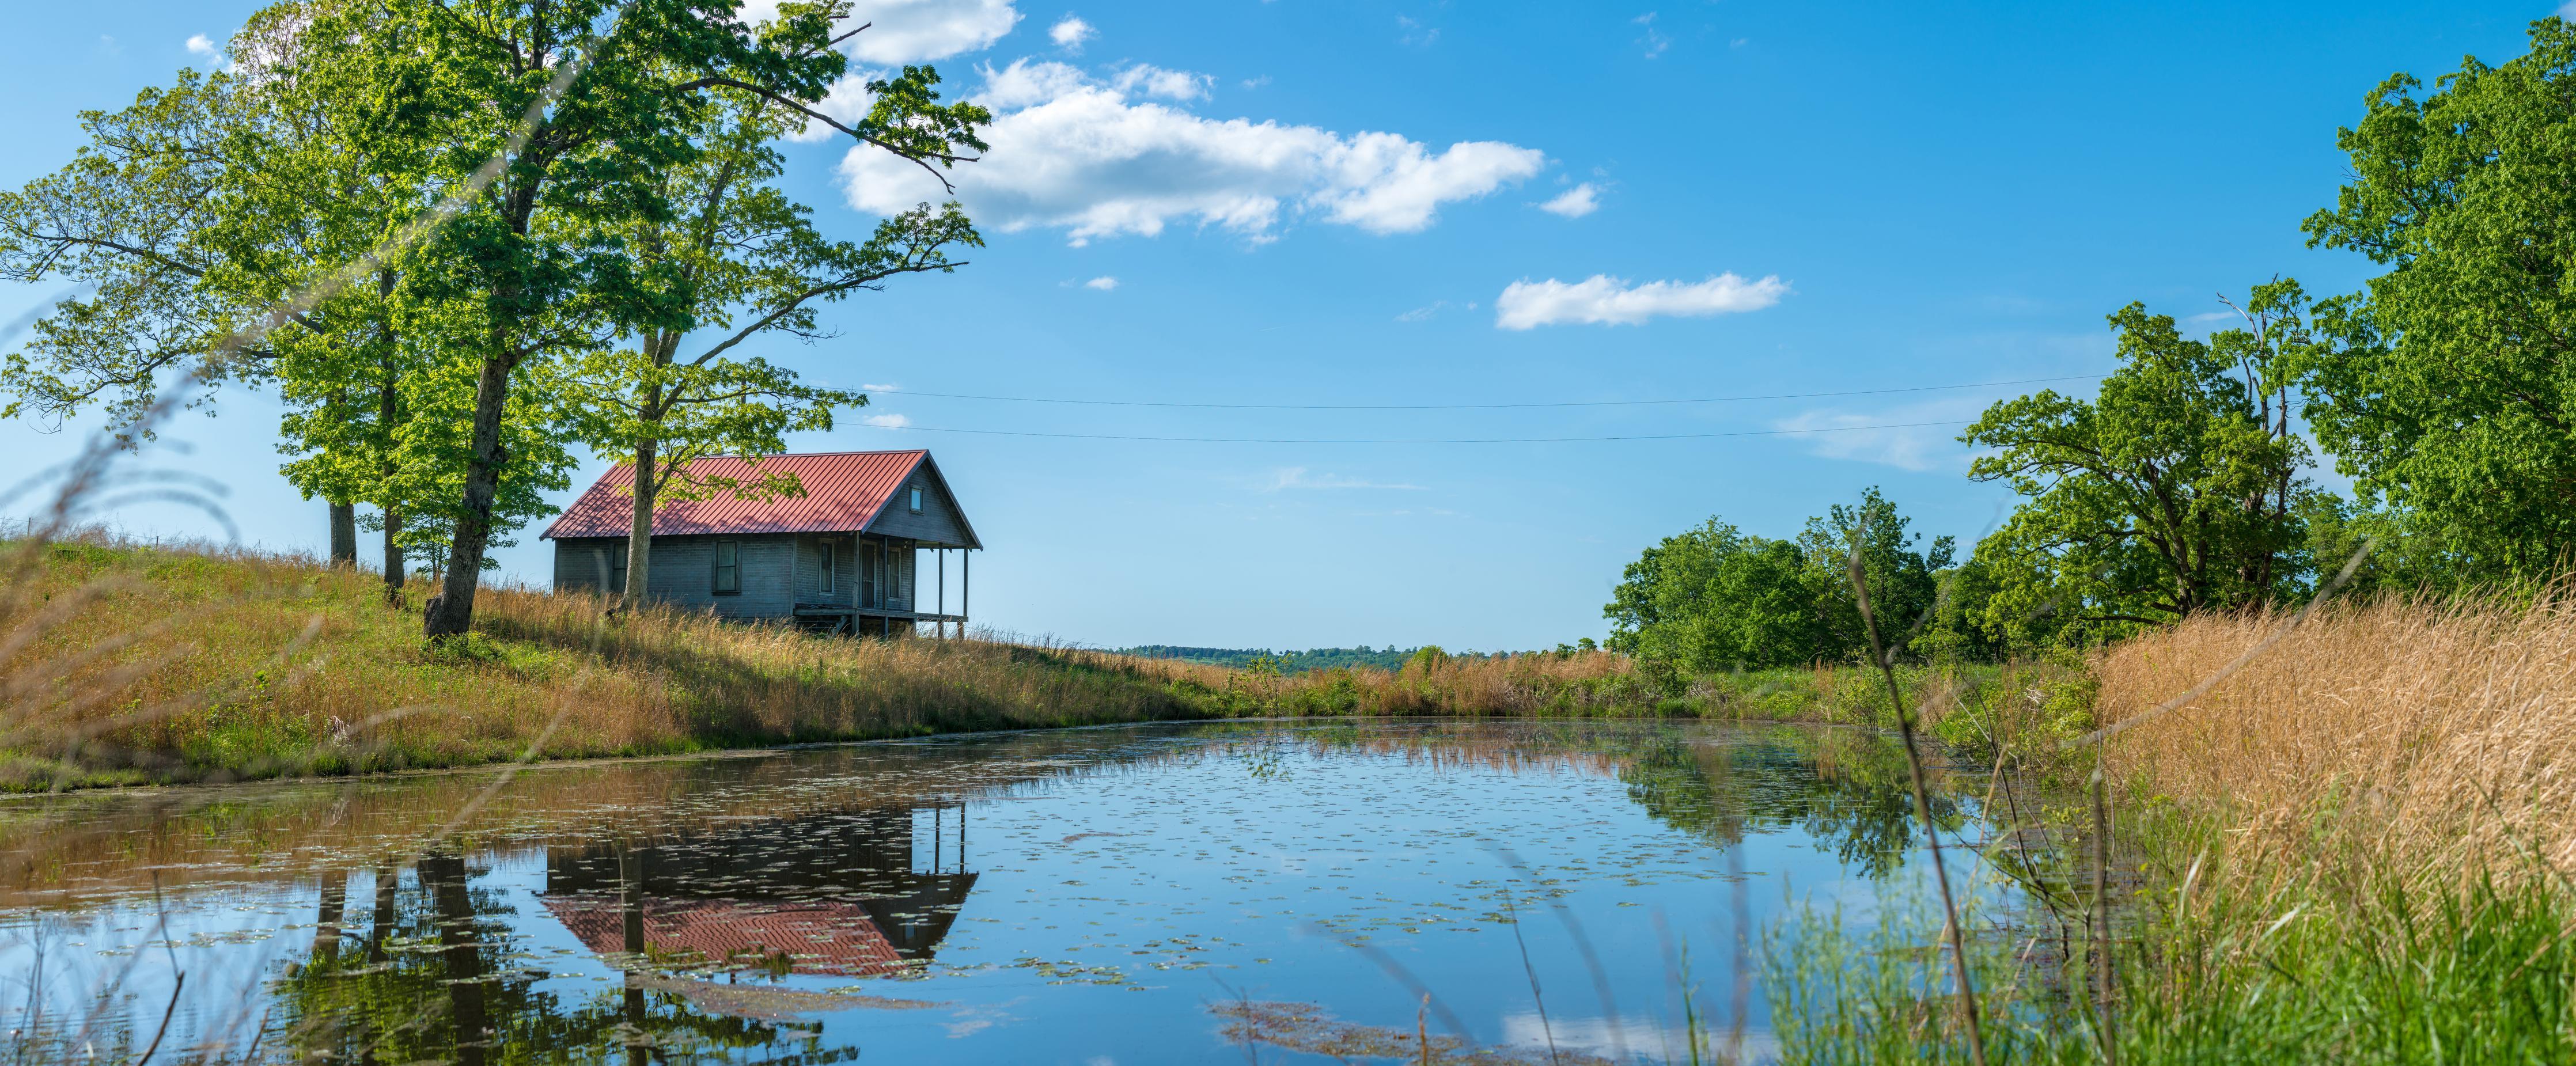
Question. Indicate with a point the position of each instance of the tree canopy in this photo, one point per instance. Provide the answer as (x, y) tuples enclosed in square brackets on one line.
[(2464, 419)]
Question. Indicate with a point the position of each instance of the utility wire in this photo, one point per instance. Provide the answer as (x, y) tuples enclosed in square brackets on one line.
[(1485, 406), (1417, 440)]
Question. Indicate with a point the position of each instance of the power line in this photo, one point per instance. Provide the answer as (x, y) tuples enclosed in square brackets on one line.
[(1485, 406), (1418, 440)]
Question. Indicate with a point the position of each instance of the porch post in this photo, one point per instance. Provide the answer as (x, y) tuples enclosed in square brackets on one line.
[(965, 588), (943, 590)]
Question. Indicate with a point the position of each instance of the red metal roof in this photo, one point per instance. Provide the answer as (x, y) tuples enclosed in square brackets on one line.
[(825, 937), (843, 493)]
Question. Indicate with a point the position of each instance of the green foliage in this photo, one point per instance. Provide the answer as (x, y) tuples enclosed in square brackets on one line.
[(2453, 399), (2178, 489), (1715, 598)]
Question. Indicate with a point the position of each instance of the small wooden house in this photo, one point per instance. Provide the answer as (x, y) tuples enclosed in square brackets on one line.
[(848, 554)]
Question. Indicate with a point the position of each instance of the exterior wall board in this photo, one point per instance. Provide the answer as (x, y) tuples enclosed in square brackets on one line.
[(683, 571), (937, 520)]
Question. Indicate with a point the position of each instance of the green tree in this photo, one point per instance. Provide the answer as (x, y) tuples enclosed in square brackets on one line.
[(586, 106), (2465, 419), (2177, 490), (1716, 598), (1903, 585), (740, 259)]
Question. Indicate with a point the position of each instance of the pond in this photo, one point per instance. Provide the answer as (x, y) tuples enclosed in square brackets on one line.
[(1270, 891)]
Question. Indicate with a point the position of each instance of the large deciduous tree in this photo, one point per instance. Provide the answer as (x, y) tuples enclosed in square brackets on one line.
[(1716, 598), (738, 259), (2178, 489), (586, 106), (2466, 418)]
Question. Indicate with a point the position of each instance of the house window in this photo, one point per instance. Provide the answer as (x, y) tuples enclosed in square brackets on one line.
[(831, 556), (916, 499), (617, 569), (728, 566)]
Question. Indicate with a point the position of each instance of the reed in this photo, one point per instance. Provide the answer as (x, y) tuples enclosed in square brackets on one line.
[(2433, 738)]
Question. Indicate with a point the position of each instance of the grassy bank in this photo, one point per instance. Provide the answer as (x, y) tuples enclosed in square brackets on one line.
[(127, 663), (2354, 848)]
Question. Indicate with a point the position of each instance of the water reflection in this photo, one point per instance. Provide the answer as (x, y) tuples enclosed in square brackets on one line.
[(1029, 897)]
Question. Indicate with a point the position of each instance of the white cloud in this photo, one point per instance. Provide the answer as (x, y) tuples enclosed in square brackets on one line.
[(1576, 202), (911, 31), (1298, 477), (1075, 152), (2206, 317), (2568, 10), (1604, 299), (198, 44), (1655, 41), (848, 100), (880, 388), (887, 421), (1168, 84), (1103, 283), (1908, 446), (1423, 312), (1069, 33)]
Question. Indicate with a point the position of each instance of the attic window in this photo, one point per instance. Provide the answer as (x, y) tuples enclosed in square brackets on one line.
[(916, 499)]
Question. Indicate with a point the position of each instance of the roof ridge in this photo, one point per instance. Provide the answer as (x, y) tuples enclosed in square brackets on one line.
[(823, 455)]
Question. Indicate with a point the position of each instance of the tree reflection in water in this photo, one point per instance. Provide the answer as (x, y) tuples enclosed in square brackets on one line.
[(731, 901), (703, 926)]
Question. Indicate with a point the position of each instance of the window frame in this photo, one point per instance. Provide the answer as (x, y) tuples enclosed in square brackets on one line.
[(916, 499), (720, 568), (831, 568)]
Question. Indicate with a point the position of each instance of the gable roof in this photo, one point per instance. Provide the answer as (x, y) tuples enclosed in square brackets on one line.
[(845, 492)]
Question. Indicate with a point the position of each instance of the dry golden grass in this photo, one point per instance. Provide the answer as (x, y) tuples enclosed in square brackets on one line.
[(131, 663), (126, 663), (2437, 740)]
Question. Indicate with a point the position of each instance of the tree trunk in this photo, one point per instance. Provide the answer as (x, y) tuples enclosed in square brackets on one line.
[(395, 578), (344, 534), (451, 612), (461, 948), (639, 535), (388, 408)]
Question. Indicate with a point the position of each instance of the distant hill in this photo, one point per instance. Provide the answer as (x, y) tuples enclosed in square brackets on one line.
[(1292, 662)]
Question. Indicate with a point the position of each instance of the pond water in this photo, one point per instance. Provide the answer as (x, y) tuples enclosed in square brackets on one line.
[(1270, 891)]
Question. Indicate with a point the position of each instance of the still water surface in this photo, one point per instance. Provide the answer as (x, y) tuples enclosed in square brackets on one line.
[(1133, 895)]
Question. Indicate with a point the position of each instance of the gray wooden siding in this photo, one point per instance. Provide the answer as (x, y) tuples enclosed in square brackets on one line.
[(586, 563), (810, 550), (683, 571), (938, 520)]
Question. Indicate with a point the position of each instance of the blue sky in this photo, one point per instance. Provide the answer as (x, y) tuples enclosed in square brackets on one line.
[(1310, 202)]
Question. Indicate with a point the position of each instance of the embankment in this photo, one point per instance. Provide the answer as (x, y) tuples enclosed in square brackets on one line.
[(126, 663)]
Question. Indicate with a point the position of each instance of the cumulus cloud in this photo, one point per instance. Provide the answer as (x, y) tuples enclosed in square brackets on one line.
[(199, 44), (911, 31), (1092, 157), (1576, 202), (887, 421), (1298, 477), (1069, 33), (1613, 301), (1103, 283)]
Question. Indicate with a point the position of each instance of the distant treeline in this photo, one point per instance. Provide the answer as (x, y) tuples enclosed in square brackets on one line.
[(1288, 662)]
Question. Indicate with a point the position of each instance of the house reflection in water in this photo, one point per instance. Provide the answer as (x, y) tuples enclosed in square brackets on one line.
[(864, 893)]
